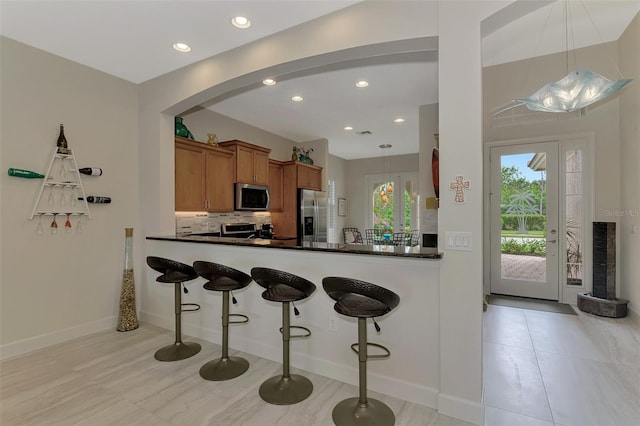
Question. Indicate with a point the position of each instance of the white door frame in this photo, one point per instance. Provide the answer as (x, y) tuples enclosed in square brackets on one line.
[(584, 141)]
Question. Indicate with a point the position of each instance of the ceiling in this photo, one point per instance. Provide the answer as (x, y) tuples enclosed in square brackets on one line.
[(140, 49)]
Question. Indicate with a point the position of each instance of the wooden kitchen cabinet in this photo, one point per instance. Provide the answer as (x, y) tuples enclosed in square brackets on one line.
[(252, 162), (309, 177), (203, 177), (275, 186)]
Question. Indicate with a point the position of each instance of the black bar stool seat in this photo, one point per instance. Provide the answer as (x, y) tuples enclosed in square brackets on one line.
[(224, 279), (362, 300), (176, 273), (285, 288)]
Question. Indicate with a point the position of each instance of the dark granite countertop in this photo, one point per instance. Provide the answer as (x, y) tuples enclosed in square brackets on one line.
[(381, 250)]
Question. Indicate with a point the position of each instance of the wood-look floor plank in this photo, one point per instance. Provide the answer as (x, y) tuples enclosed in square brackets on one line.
[(112, 378)]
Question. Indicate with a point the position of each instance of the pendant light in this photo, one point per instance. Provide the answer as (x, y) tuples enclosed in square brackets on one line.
[(578, 89)]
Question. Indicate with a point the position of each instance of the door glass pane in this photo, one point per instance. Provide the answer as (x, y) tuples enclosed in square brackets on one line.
[(574, 206), (523, 217), (383, 207)]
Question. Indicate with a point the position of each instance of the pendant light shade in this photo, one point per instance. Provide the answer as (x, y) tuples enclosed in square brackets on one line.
[(577, 90)]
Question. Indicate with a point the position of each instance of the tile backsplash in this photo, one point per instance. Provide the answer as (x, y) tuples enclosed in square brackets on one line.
[(193, 223)]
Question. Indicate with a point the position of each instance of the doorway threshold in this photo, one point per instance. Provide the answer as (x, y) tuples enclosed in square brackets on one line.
[(532, 304)]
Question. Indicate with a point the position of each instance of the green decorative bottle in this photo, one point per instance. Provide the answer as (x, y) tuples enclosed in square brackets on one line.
[(181, 129), (28, 174)]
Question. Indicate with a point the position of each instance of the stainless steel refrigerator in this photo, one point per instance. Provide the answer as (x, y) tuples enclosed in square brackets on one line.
[(312, 216)]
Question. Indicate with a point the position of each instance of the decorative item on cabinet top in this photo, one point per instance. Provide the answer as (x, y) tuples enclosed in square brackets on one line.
[(182, 130)]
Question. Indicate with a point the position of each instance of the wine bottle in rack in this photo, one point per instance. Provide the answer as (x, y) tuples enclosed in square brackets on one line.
[(24, 173), (63, 148), (96, 199), (91, 171)]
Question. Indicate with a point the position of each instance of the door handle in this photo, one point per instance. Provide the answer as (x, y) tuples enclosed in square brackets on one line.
[(552, 241)]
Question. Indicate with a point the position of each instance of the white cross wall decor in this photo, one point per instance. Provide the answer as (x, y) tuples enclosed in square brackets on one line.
[(458, 185)]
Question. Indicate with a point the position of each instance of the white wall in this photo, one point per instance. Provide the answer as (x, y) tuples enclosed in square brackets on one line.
[(337, 171), (55, 287), (629, 229)]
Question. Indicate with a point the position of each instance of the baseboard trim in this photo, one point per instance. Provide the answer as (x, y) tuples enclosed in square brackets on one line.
[(462, 409), (31, 344)]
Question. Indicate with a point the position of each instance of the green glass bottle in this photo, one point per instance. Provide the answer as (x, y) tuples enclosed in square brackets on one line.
[(28, 174)]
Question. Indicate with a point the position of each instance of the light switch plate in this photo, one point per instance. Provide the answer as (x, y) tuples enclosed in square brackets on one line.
[(461, 241)]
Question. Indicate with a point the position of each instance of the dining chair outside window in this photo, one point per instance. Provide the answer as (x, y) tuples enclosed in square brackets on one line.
[(374, 236), (400, 239), (351, 236), (414, 237)]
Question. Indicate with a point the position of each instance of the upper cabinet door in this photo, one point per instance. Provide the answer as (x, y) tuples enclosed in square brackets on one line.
[(252, 162), (261, 167), (244, 163), (219, 172), (189, 178)]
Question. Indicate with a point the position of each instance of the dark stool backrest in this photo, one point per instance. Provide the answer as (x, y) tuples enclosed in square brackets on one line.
[(212, 271), (336, 287), (171, 270), (267, 278)]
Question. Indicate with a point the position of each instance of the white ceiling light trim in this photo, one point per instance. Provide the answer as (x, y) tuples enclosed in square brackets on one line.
[(348, 128), (297, 98), (399, 120), (362, 83), (182, 47), (269, 82), (240, 22)]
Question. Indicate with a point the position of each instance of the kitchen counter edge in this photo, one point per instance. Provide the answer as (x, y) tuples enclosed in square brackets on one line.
[(404, 252)]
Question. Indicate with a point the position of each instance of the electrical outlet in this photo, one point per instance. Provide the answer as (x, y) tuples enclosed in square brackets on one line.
[(332, 324)]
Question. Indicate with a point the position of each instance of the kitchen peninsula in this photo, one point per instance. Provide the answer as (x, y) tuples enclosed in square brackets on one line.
[(411, 331)]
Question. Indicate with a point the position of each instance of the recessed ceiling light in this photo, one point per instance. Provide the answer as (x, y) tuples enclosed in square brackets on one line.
[(362, 83), (241, 22), (297, 98), (348, 128), (398, 120), (182, 47), (269, 82)]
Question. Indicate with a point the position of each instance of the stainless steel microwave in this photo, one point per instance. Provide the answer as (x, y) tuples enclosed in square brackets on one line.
[(251, 197)]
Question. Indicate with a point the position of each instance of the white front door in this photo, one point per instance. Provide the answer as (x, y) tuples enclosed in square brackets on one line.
[(524, 220)]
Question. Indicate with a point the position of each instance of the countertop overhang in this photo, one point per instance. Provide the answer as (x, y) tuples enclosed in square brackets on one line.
[(380, 250)]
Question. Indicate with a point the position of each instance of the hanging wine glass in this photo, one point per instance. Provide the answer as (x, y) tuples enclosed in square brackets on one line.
[(40, 228), (79, 226), (51, 200), (67, 224), (63, 199), (74, 199), (54, 225), (63, 172)]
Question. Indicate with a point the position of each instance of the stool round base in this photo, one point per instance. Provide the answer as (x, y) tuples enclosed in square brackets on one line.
[(224, 368), (350, 413), (286, 391), (177, 351)]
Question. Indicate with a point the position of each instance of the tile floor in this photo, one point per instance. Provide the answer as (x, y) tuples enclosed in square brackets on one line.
[(543, 369), (540, 368)]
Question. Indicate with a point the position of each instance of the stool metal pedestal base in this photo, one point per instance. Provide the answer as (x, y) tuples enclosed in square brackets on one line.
[(177, 351), (279, 390), (351, 413), (224, 368)]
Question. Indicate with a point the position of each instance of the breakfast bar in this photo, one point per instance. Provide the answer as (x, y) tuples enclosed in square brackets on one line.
[(411, 331)]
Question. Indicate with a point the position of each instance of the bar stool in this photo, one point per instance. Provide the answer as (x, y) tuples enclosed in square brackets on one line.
[(362, 300), (225, 279), (285, 288), (177, 273)]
